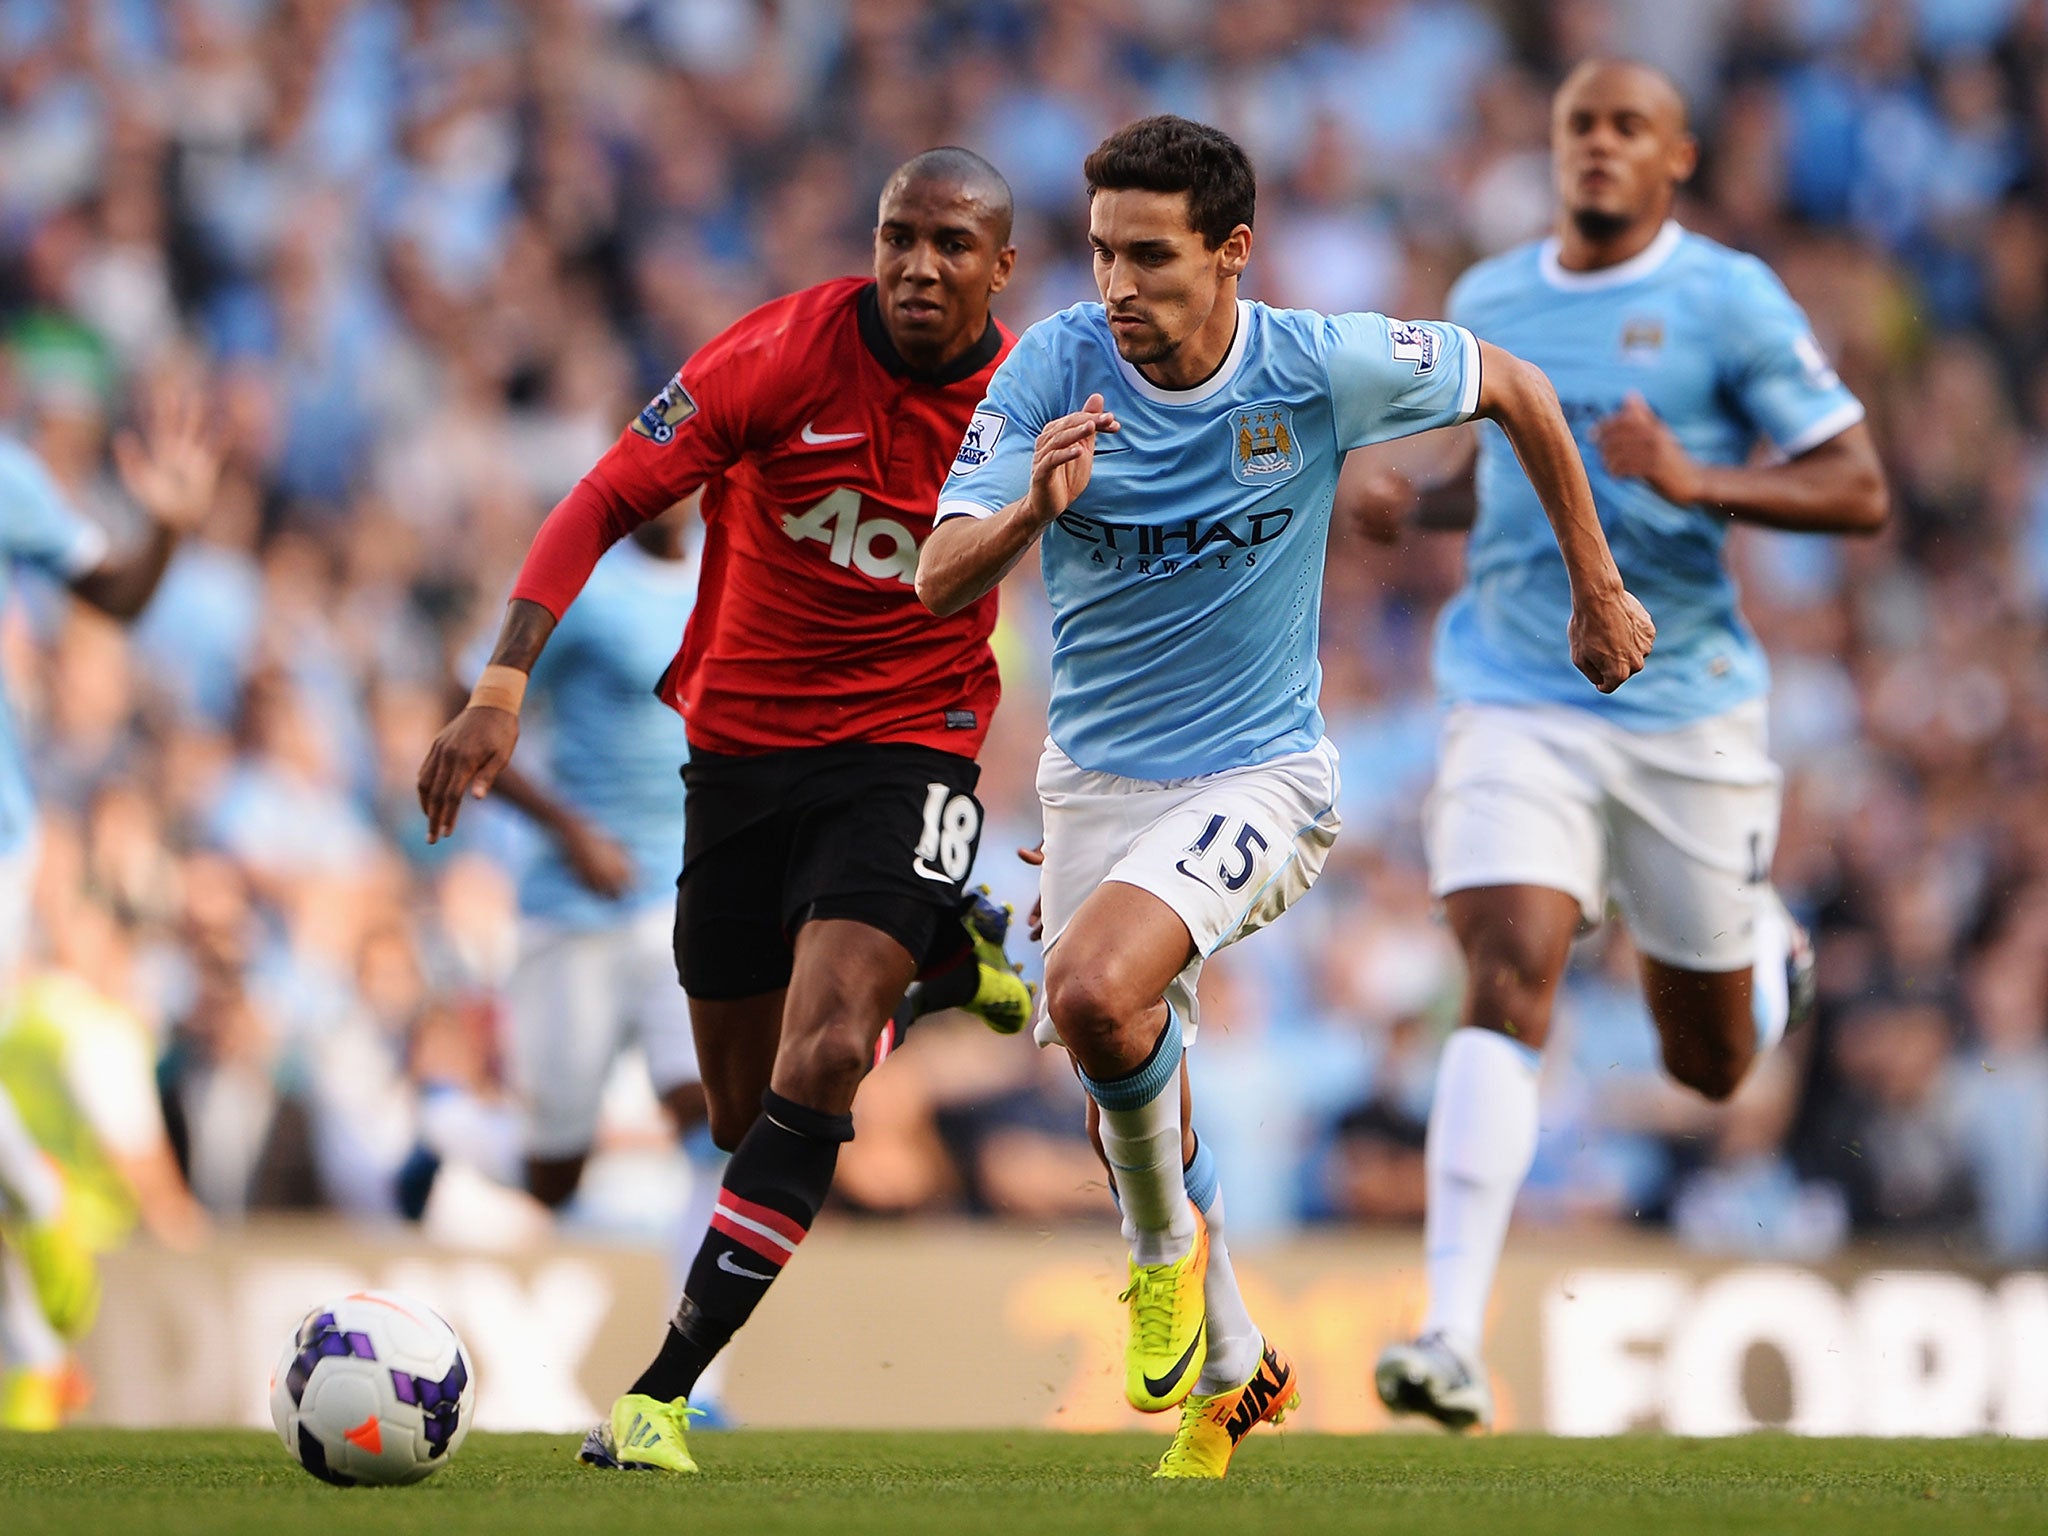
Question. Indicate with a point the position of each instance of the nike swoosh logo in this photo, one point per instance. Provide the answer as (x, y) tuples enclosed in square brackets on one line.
[(817, 439), (1159, 1386), (932, 874), (725, 1263)]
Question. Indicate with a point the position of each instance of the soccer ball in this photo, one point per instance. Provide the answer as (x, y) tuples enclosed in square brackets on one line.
[(373, 1388)]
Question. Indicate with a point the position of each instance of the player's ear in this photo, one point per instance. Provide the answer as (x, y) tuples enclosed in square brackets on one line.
[(1685, 158), (999, 274), (1235, 253)]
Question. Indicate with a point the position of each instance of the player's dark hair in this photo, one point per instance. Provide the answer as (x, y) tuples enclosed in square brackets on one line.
[(1173, 154), (950, 165)]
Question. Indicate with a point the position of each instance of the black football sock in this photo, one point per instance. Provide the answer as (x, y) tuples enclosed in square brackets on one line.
[(951, 988), (773, 1188)]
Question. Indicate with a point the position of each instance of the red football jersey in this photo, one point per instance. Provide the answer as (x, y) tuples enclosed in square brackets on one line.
[(820, 454)]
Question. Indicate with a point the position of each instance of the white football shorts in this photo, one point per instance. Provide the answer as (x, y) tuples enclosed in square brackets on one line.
[(576, 999), (1228, 852), (1677, 828)]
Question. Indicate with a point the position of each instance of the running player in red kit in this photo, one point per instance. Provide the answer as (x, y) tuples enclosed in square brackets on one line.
[(833, 723)]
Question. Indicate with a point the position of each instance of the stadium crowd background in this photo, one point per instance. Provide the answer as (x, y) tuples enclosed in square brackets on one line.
[(428, 255)]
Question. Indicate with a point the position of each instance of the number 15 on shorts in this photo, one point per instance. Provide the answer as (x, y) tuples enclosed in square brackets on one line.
[(952, 822), (1231, 858)]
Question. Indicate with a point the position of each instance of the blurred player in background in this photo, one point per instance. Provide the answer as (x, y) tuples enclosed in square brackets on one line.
[(78, 1071), (49, 1288), (596, 969), (1677, 359), (832, 727), (1174, 451)]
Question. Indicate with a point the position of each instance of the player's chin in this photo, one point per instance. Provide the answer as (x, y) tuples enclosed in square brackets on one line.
[(1140, 346)]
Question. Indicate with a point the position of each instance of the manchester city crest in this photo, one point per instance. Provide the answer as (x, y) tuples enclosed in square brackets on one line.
[(1264, 449), (665, 412)]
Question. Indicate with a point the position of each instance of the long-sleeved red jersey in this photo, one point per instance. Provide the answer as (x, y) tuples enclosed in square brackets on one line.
[(821, 454)]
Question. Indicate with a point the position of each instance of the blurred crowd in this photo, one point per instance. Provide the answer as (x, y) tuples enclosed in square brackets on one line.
[(426, 256)]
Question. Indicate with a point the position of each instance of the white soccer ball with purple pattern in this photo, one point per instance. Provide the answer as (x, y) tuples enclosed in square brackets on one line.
[(373, 1388)]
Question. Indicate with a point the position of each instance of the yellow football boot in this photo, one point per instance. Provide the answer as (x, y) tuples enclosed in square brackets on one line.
[(32, 1401), (1003, 999), (62, 1269), (1211, 1426), (643, 1435), (1169, 1327)]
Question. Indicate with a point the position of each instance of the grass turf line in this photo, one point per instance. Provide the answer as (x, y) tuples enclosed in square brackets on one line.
[(137, 1483)]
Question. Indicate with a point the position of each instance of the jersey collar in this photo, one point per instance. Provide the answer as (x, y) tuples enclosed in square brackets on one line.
[(876, 337), (1640, 265), (1210, 387)]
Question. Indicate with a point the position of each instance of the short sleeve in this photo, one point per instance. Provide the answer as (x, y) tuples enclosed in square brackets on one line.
[(37, 523), (1394, 378), (1773, 368), (993, 467)]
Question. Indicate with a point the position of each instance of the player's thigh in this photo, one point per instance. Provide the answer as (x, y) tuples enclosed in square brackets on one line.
[(885, 837), (1517, 803), (729, 939), (564, 1010), (1226, 855), (1693, 825)]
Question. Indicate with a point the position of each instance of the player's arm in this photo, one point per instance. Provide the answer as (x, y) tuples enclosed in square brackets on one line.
[(592, 855), (1836, 487), (1610, 633), (966, 557), (171, 469), (1383, 492)]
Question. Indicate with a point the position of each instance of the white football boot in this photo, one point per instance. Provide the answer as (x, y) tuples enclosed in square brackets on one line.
[(1434, 1376)]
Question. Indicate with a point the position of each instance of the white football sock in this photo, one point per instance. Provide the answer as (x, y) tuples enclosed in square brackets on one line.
[(1141, 1137), (1770, 998), (1235, 1342), (1482, 1139), (29, 1188)]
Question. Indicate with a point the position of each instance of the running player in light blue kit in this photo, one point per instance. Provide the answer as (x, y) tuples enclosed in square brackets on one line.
[(1676, 359), (1174, 452), (596, 971)]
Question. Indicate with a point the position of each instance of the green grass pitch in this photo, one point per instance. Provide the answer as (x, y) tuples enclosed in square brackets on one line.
[(756, 1483)]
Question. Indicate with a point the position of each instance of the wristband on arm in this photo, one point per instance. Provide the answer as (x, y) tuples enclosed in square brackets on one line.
[(500, 687)]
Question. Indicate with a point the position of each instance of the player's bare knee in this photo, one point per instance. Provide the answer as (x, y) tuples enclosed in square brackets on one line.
[(1089, 1007), (1713, 1072)]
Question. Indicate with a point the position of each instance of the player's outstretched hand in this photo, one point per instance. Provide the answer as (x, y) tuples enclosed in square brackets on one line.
[(1635, 444), (599, 863), (173, 465), (1065, 457), (465, 759), (1611, 638)]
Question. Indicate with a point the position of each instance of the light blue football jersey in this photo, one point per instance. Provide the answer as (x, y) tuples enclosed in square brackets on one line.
[(611, 749), (1709, 337), (38, 529), (1186, 580)]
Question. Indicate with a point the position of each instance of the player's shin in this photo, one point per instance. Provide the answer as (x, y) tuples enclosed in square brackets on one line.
[(1235, 1342), (1778, 972), (1141, 1138), (772, 1191), (1482, 1139)]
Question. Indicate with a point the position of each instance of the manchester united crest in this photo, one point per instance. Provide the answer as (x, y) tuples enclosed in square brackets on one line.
[(1264, 449)]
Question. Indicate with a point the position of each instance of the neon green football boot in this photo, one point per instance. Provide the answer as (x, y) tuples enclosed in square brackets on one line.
[(643, 1435), (62, 1269), (1003, 999), (1168, 1341)]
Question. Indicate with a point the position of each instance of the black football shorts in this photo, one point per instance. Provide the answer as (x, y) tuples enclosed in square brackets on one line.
[(882, 834)]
